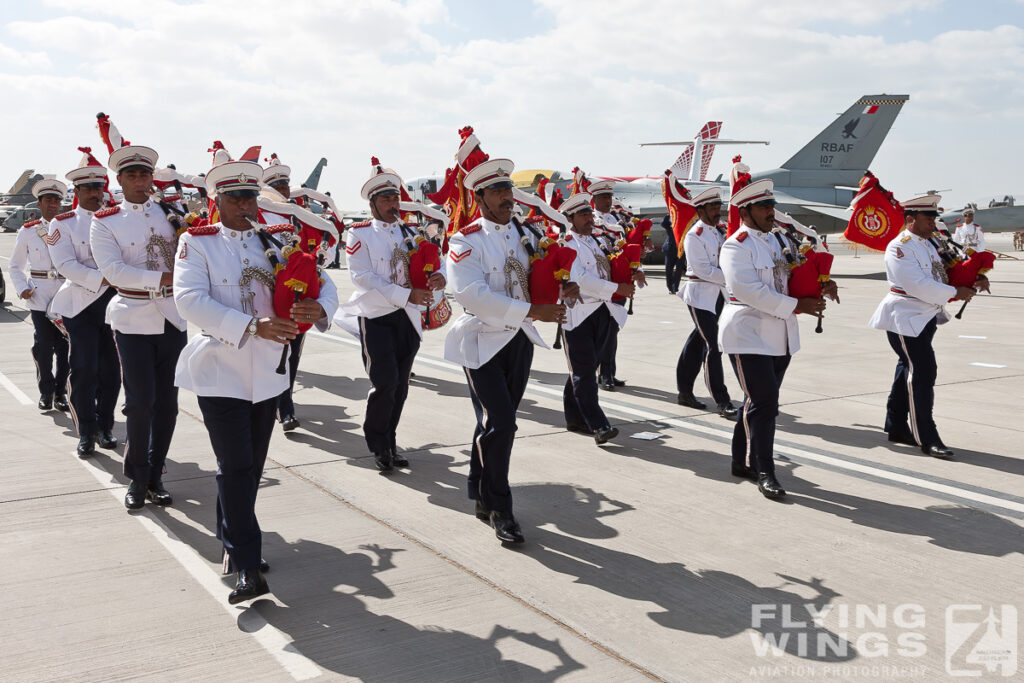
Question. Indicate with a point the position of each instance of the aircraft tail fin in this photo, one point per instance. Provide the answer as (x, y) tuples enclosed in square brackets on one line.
[(710, 131), (849, 143), (314, 178), (24, 183), (681, 166)]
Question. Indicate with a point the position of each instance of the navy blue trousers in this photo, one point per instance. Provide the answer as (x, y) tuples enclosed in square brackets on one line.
[(95, 379), (583, 346), (150, 398), (285, 406), (606, 361), (701, 349), (48, 343), (753, 439), (912, 396), (240, 435), (496, 388), (389, 344)]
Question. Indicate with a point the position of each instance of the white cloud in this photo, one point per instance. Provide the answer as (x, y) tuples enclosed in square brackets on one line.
[(348, 80)]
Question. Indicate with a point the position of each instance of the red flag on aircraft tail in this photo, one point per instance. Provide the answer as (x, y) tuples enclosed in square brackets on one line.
[(877, 216)]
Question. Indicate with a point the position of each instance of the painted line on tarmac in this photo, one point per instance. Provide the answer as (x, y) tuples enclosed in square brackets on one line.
[(946, 489), (276, 644), (17, 393)]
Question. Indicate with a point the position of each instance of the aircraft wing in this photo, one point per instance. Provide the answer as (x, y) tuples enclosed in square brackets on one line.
[(807, 210)]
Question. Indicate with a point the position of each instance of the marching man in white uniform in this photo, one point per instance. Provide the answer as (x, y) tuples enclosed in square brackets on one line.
[(277, 177), (704, 294), (134, 245), (488, 266), (36, 281), (224, 284), (588, 324), (759, 330), (968, 234), (387, 310), (909, 314), (611, 232), (81, 301)]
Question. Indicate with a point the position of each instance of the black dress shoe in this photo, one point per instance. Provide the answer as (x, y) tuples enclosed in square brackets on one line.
[(604, 435), (86, 447), (289, 423), (727, 410), (157, 494), (618, 382), (251, 584), (690, 401), (605, 383), (482, 513), (902, 437), (938, 451), (135, 498), (577, 427), (769, 486), (506, 528), (45, 402), (60, 402), (383, 460), (397, 459), (105, 439), (744, 472)]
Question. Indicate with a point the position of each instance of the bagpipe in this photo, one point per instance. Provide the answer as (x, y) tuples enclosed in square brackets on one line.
[(297, 276), (964, 266), (550, 264), (424, 259), (809, 267)]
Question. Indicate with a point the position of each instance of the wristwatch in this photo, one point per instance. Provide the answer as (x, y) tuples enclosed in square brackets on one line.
[(254, 326)]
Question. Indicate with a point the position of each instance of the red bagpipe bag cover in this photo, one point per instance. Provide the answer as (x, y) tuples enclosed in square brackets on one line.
[(423, 262), (806, 279), (625, 262), (548, 272), (640, 233), (298, 270), (965, 273)]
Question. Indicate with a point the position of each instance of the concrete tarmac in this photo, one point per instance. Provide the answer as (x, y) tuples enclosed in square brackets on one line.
[(645, 559)]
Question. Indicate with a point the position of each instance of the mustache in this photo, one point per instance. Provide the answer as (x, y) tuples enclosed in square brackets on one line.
[(506, 204)]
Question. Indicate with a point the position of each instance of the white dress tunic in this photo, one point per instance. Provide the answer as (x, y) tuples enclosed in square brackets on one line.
[(759, 317), (219, 287)]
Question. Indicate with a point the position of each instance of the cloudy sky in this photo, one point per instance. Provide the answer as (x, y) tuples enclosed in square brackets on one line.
[(549, 83)]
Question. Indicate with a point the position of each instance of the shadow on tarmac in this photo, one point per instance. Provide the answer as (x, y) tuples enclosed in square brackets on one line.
[(868, 436)]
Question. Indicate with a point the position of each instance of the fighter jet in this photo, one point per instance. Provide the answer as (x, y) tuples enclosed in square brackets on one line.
[(817, 184), (994, 214)]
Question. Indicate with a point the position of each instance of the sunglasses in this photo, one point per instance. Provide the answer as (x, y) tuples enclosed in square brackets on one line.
[(240, 194)]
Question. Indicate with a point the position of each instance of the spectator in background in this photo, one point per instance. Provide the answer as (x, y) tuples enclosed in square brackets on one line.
[(674, 264)]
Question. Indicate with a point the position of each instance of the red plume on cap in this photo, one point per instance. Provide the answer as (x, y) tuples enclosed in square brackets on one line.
[(88, 159), (739, 178), (377, 167), (272, 158), (217, 144), (109, 134)]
